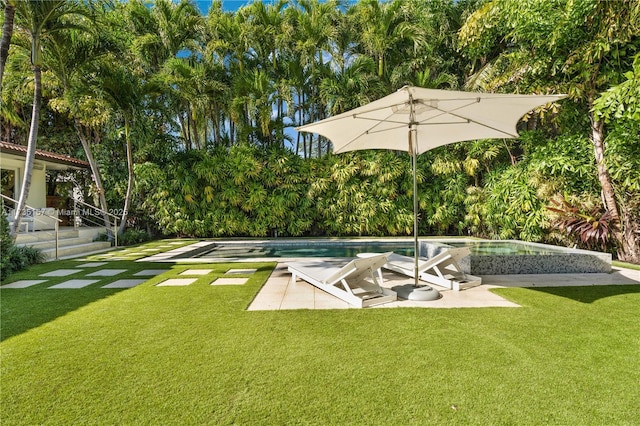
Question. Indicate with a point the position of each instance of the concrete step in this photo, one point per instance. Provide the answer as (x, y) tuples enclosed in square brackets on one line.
[(63, 233), (62, 242), (28, 238), (71, 242), (75, 250)]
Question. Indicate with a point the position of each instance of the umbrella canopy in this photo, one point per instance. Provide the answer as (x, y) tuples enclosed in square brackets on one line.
[(440, 117), (415, 120)]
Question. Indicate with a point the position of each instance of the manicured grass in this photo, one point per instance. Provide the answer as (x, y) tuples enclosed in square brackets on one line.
[(194, 355), (626, 265)]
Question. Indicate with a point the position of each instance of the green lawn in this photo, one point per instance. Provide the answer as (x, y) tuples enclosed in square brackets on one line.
[(193, 355)]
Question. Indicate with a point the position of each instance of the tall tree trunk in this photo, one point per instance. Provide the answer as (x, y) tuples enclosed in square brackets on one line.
[(95, 170), (183, 129), (7, 32), (628, 249), (31, 151), (630, 230), (127, 198), (194, 129), (215, 120), (188, 132), (608, 193)]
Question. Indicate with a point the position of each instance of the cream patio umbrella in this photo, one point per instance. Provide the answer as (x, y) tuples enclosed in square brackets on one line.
[(415, 120)]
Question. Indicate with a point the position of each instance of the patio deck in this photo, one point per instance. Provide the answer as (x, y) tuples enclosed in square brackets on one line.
[(279, 293)]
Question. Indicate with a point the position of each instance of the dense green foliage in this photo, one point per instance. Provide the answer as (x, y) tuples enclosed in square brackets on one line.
[(6, 244), (14, 258), (190, 114)]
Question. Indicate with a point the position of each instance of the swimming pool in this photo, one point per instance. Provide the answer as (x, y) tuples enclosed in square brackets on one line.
[(302, 249), (505, 257), (488, 257)]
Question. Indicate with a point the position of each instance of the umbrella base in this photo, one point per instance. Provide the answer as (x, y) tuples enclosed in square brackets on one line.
[(421, 293)]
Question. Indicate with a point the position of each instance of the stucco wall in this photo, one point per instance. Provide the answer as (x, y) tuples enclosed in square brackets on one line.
[(38, 190)]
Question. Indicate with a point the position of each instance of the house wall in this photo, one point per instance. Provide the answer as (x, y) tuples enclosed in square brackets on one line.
[(38, 190)]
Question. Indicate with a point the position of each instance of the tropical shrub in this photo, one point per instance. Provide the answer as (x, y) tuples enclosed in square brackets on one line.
[(364, 193), (237, 191), (587, 223), (6, 244), (512, 207), (14, 258), (133, 236), (18, 258)]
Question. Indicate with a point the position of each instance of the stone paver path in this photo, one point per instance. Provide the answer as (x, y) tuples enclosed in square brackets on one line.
[(177, 282), (89, 273), (74, 284), (230, 281), (240, 271), (23, 283), (106, 272), (91, 265), (60, 272), (124, 284), (196, 272), (150, 272)]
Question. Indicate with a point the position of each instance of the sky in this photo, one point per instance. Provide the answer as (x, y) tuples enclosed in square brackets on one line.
[(232, 5), (227, 5)]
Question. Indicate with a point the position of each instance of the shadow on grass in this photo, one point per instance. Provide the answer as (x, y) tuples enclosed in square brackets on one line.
[(589, 294), (24, 309)]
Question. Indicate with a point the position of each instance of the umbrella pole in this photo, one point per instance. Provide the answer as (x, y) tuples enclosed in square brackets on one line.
[(414, 163), (415, 291)]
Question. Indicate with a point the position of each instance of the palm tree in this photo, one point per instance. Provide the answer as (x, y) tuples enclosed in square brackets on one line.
[(163, 30), (40, 19), (124, 92), (271, 34), (7, 32), (316, 28), (351, 87), (385, 28), (70, 55)]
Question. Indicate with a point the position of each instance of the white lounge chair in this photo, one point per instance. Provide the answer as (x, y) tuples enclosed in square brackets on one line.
[(355, 282), (442, 269)]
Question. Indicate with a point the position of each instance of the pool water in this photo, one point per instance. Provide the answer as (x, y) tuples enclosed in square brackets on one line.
[(510, 248), (311, 249), (351, 249)]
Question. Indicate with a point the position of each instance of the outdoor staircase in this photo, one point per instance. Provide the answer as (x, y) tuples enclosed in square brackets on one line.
[(71, 242)]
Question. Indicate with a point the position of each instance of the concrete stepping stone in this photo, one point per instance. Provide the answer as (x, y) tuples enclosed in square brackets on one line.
[(230, 281), (151, 250), (123, 284), (106, 272), (60, 272), (196, 272), (240, 271), (150, 272), (91, 265), (23, 283), (74, 284), (177, 282)]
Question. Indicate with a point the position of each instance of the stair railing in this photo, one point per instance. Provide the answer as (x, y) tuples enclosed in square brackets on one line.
[(31, 218), (95, 216)]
